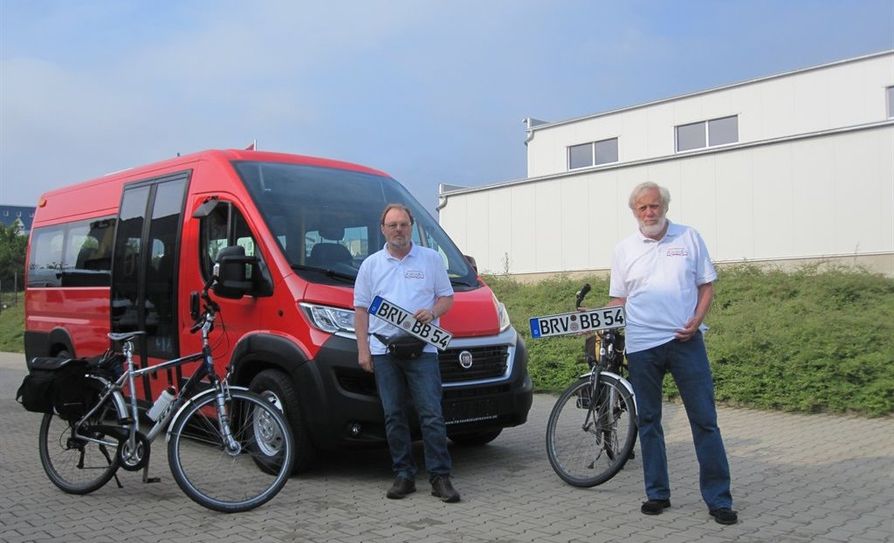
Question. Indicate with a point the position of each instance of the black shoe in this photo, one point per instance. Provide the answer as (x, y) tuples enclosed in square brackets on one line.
[(724, 515), (401, 488), (654, 507), (441, 487)]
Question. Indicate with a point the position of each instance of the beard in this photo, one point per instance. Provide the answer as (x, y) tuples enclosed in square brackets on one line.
[(651, 230)]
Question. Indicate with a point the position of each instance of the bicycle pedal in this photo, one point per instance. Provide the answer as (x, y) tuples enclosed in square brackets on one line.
[(148, 480)]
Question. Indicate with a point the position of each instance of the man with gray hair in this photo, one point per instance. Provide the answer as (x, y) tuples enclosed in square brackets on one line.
[(663, 277)]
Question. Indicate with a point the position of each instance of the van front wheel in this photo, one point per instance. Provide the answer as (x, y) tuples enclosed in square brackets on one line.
[(276, 387)]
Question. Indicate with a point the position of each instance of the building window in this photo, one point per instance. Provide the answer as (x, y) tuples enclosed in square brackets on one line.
[(580, 156), (707, 133), (594, 153), (606, 151), (890, 92)]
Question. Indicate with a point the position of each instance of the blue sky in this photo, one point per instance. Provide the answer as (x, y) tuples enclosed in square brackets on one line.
[(428, 91)]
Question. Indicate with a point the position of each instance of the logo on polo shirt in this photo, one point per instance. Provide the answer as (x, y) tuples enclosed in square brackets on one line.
[(677, 251), (414, 274)]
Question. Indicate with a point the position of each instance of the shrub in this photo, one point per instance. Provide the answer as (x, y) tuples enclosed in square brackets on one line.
[(818, 339)]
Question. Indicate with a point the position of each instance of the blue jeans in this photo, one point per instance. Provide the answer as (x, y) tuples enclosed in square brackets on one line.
[(687, 361), (398, 381)]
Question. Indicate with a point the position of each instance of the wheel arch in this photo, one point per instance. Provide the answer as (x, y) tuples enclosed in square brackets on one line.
[(59, 340), (262, 351), (258, 352)]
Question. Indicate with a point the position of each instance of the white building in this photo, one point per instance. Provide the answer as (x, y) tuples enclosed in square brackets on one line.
[(787, 168)]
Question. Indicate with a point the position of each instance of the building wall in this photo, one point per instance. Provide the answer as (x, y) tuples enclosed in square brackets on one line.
[(847, 93), (811, 177), (810, 197)]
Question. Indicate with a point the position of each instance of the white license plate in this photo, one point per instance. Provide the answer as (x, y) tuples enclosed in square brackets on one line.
[(405, 320), (603, 318)]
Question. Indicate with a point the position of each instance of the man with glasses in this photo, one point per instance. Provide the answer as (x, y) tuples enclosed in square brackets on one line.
[(415, 279)]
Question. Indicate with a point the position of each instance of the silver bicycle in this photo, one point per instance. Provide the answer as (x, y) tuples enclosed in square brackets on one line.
[(229, 449)]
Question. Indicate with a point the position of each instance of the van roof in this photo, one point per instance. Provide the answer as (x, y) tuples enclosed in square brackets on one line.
[(221, 155), (64, 203)]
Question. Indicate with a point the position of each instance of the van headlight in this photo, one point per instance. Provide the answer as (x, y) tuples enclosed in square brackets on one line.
[(334, 320), (502, 314)]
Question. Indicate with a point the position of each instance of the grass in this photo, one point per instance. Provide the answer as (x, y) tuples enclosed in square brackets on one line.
[(819, 339), (12, 324)]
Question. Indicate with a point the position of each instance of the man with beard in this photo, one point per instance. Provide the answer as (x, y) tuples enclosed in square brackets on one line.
[(414, 278), (663, 277)]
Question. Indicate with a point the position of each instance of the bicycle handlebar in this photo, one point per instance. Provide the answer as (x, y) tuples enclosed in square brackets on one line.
[(581, 294), (211, 307)]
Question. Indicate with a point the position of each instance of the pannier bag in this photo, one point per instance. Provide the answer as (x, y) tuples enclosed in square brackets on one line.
[(57, 384), (403, 346)]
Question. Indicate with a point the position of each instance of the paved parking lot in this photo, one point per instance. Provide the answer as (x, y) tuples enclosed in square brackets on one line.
[(796, 478)]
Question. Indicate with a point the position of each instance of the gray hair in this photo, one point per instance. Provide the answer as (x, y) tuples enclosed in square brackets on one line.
[(648, 185)]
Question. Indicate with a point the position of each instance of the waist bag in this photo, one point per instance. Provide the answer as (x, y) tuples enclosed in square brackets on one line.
[(59, 385), (403, 346)]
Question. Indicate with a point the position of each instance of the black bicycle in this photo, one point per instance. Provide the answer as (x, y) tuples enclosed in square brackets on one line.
[(592, 427)]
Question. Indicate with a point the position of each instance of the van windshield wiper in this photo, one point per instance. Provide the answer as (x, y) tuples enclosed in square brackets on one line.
[(460, 282), (327, 272)]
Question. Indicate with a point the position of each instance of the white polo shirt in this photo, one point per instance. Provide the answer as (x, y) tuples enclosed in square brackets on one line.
[(413, 283), (660, 280)]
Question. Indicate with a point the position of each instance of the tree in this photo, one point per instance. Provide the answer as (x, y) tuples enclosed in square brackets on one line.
[(13, 246)]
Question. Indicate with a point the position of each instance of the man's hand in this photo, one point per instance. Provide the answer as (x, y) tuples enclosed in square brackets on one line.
[(425, 315), (705, 295), (365, 361), (686, 333), (361, 326)]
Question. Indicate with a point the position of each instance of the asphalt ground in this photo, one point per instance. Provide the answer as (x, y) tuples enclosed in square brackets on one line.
[(796, 478)]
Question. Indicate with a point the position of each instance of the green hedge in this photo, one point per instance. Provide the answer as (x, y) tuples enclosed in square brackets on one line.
[(818, 339)]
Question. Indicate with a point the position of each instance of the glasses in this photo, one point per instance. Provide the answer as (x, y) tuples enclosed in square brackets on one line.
[(396, 225)]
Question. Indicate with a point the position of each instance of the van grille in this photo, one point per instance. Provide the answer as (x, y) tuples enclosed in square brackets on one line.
[(488, 362)]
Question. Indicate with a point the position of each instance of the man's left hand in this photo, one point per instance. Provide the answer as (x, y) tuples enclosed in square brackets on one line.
[(424, 316), (686, 333)]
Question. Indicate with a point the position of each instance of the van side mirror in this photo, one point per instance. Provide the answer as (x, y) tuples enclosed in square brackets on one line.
[(471, 261), (230, 271)]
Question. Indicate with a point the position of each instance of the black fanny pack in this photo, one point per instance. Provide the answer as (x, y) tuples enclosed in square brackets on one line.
[(403, 346)]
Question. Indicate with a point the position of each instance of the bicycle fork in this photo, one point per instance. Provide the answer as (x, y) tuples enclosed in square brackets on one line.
[(233, 447)]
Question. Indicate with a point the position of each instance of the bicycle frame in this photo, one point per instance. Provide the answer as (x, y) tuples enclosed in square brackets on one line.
[(127, 411)]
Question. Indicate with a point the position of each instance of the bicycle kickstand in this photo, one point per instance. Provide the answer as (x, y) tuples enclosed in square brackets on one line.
[(146, 478)]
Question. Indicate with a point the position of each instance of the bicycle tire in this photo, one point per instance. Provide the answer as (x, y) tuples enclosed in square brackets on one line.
[(213, 477), (75, 465), (584, 448)]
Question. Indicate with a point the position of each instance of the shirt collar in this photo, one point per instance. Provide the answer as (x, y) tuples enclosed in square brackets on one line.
[(413, 252)]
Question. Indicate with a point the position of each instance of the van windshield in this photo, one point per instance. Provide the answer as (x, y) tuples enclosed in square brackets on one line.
[(326, 220)]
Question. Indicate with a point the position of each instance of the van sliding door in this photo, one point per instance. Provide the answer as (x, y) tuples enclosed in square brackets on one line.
[(144, 270)]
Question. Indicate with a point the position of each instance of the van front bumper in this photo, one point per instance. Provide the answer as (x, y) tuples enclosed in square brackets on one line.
[(485, 386)]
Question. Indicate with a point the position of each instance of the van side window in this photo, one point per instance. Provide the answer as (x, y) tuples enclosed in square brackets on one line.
[(223, 227), (73, 255), (45, 261)]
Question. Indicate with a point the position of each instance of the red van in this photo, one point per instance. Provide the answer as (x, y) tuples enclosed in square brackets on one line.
[(131, 250)]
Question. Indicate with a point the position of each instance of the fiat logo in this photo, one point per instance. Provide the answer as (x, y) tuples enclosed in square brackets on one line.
[(465, 359)]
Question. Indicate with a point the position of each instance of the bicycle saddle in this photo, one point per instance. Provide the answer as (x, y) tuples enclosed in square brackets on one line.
[(124, 336)]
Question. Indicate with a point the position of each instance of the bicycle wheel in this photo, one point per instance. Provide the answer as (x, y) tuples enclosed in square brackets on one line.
[(78, 464), (590, 434), (231, 480)]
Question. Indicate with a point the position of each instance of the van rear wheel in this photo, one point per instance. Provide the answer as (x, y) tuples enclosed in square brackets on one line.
[(276, 387)]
